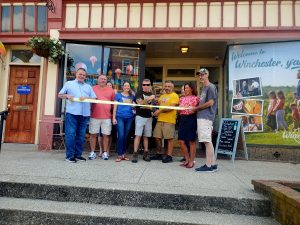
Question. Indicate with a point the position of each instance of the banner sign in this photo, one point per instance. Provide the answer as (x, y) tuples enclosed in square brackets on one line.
[(264, 85)]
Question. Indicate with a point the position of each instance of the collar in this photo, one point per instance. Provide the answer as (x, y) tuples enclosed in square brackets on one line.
[(79, 82)]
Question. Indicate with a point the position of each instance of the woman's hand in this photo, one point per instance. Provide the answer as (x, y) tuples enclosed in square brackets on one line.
[(114, 121)]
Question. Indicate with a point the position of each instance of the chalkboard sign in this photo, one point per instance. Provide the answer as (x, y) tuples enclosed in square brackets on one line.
[(229, 132)]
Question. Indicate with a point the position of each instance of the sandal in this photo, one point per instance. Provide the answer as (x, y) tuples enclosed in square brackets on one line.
[(119, 159), (125, 158), (184, 164), (189, 166)]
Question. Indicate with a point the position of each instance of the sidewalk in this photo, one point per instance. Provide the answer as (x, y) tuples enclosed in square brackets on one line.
[(24, 163)]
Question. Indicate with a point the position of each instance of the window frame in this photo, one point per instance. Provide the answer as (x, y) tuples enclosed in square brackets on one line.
[(23, 22)]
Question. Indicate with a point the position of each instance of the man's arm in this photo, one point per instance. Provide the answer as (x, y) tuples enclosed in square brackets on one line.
[(207, 104)]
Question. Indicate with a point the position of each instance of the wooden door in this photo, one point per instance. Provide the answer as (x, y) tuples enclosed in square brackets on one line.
[(21, 120)]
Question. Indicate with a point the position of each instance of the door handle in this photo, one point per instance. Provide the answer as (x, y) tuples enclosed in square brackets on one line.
[(8, 107)]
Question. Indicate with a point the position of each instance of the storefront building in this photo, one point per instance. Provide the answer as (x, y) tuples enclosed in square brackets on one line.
[(140, 39)]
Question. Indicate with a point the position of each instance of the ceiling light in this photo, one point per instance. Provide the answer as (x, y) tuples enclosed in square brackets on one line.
[(184, 49)]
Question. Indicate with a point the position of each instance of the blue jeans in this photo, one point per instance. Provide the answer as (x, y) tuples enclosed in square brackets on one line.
[(280, 119), (123, 128), (75, 129)]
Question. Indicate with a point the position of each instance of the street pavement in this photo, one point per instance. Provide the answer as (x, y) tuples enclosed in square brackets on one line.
[(24, 163)]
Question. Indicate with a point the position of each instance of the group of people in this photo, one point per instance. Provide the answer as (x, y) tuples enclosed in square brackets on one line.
[(276, 111), (197, 114)]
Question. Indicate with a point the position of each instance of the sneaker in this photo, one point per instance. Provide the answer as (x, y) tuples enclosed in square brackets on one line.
[(92, 156), (146, 157), (204, 169), (156, 157), (167, 159), (71, 160), (80, 158), (215, 167), (104, 156), (135, 157)]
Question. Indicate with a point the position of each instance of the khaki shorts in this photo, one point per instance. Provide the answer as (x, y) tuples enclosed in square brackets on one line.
[(164, 130), (96, 124), (204, 129), (143, 126)]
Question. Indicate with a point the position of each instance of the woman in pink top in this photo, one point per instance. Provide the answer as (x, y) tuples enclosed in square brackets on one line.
[(188, 124), (279, 111)]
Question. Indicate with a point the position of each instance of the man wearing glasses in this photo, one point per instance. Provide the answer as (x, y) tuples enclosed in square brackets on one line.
[(206, 112), (77, 114), (143, 119)]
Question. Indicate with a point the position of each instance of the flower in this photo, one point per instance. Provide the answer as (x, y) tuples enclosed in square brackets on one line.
[(47, 48)]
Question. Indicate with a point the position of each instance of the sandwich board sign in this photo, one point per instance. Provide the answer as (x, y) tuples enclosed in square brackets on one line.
[(230, 132)]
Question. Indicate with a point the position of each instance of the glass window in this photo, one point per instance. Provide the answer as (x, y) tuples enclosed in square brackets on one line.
[(121, 64), (5, 19), (118, 63), (18, 19), (155, 74), (42, 19), (84, 56), (24, 56), (29, 19), (181, 73)]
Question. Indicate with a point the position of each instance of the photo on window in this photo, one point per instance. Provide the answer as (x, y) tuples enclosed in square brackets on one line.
[(247, 106), (247, 87)]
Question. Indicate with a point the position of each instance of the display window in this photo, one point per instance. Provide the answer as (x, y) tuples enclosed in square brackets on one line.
[(264, 91), (119, 64)]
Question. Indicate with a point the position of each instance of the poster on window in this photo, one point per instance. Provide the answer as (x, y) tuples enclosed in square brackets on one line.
[(273, 70)]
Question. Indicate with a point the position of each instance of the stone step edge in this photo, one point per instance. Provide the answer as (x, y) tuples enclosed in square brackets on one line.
[(17, 211), (136, 198)]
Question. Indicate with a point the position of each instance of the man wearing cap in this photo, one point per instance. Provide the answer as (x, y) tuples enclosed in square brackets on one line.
[(77, 114), (206, 112)]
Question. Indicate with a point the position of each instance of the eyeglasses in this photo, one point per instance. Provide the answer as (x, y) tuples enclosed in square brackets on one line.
[(146, 84)]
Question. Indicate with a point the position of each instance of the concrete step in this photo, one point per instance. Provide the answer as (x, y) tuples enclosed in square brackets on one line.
[(258, 206), (19, 211)]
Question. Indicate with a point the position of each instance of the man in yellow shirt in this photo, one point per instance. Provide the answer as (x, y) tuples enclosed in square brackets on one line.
[(165, 126)]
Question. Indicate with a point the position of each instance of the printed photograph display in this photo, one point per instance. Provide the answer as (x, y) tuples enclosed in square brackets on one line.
[(247, 87), (250, 123), (247, 106), (276, 69)]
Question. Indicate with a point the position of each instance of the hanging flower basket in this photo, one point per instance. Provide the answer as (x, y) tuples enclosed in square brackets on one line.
[(41, 52), (47, 48)]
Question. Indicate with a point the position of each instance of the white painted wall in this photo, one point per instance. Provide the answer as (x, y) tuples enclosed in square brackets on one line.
[(162, 20), (51, 82)]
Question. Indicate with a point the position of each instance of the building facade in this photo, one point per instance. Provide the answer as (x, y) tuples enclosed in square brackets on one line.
[(141, 38)]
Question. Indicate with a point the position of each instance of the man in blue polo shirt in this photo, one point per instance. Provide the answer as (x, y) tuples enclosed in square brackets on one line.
[(77, 114)]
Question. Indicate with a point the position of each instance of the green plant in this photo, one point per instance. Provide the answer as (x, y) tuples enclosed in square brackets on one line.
[(47, 48)]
